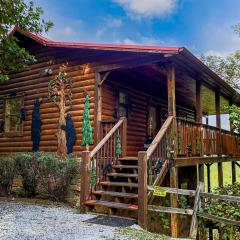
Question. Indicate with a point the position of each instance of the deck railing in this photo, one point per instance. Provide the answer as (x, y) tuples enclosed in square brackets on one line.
[(196, 139), (106, 152), (159, 152)]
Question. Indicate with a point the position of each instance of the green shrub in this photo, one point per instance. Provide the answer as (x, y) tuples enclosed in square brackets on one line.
[(57, 174), (7, 173), (28, 167), (224, 209)]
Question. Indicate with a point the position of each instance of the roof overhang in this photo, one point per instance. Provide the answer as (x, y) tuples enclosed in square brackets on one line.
[(198, 65)]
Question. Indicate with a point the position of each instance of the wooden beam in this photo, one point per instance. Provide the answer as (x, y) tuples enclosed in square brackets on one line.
[(171, 90), (155, 208), (209, 177), (198, 101), (182, 162), (197, 202), (199, 120), (219, 219), (233, 172), (97, 107), (218, 125), (174, 202), (233, 163), (142, 190)]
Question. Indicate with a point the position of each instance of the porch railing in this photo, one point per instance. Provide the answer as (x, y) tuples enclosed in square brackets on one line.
[(149, 170), (107, 151), (196, 139)]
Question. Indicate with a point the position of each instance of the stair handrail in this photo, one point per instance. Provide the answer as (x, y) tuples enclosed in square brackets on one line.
[(108, 135), (159, 137)]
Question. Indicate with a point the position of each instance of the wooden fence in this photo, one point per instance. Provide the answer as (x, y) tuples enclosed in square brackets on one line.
[(200, 196)]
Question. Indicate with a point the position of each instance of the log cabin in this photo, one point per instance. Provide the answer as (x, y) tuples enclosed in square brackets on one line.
[(153, 100)]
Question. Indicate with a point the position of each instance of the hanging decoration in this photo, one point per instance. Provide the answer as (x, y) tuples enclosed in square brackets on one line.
[(118, 146), (36, 125), (87, 138), (60, 92)]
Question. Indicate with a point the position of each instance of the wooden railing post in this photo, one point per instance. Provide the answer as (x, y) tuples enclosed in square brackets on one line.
[(174, 202), (124, 138), (85, 180), (142, 190)]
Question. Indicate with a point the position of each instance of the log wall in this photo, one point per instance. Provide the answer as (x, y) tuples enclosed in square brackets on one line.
[(33, 84)]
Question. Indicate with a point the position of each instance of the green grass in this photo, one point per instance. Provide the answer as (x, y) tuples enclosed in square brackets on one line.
[(133, 233), (227, 174)]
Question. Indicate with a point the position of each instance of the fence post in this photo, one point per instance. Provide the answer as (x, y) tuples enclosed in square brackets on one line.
[(85, 180), (142, 190), (124, 138)]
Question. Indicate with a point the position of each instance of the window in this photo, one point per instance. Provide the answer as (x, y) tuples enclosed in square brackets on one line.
[(13, 123), (123, 104)]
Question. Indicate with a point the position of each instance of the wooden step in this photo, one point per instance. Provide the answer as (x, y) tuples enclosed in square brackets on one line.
[(128, 159), (122, 175), (131, 207), (126, 166), (119, 184), (115, 194)]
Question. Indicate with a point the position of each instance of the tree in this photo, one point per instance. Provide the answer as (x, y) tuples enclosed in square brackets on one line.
[(60, 91), (86, 128), (28, 18), (227, 68)]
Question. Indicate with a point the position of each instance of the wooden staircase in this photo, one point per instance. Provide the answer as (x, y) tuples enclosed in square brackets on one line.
[(118, 193)]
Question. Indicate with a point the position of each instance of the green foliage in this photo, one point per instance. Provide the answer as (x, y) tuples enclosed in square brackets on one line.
[(55, 86), (7, 173), (141, 234), (87, 128), (234, 117), (28, 167), (39, 170), (28, 17), (237, 29), (225, 209), (56, 174), (227, 68), (118, 145)]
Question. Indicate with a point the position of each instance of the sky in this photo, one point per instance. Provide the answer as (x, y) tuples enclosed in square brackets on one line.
[(203, 26)]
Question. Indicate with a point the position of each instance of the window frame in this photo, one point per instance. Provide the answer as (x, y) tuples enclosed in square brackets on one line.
[(123, 105), (12, 134)]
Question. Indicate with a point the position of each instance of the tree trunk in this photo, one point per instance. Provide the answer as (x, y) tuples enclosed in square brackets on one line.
[(62, 148)]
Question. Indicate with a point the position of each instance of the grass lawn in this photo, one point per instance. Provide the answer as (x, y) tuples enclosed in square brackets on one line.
[(227, 174)]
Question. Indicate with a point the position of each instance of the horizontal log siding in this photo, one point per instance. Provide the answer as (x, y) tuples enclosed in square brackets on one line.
[(137, 120), (34, 85)]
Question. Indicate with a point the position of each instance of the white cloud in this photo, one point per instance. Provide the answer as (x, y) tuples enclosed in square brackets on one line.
[(148, 8), (128, 41), (109, 23), (114, 22), (215, 53)]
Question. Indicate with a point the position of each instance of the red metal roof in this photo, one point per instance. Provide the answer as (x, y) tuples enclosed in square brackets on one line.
[(117, 47)]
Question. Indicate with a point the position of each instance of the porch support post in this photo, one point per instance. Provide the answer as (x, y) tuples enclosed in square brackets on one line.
[(208, 177), (233, 163), (199, 120), (98, 107), (173, 171), (85, 180), (142, 190), (219, 145)]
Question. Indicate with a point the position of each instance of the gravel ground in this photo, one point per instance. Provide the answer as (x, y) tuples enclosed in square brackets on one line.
[(20, 221)]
